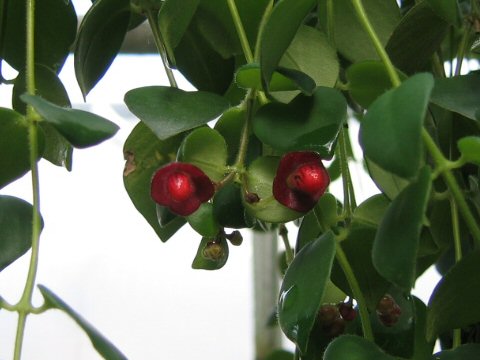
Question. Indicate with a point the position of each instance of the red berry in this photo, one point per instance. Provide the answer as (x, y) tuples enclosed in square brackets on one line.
[(180, 186), (300, 180), (347, 311)]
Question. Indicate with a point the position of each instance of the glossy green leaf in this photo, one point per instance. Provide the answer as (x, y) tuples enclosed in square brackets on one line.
[(144, 154), (416, 38), (326, 211), (367, 80), (228, 208), (82, 129), (259, 181), (169, 111), (206, 148), (55, 30), (103, 346), (14, 146), (351, 347), (390, 132), (203, 221), (203, 261), (371, 211), (463, 352), (15, 229), (200, 64), (173, 20), (311, 53), (470, 148), (454, 301), (303, 287), (279, 31), (396, 242), (230, 126), (458, 94), (280, 355), (164, 215), (358, 250), (248, 77), (351, 39), (308, 231), (389, 184), (100, 36), (57, 149), (307, 123)]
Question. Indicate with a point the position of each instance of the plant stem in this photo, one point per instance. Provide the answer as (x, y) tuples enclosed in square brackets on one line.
[(440, 162), (283, 232), (330, 22), (157, 35), (345, 175), (457, 333), (237, 21), (243, 146), (24, 306), (463, 48), (362, 16), (357, 292)]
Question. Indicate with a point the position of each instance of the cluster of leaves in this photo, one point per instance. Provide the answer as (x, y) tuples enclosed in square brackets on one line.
[(313, 64)]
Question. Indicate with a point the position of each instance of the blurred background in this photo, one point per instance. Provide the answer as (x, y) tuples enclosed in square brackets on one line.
[(103, 259)]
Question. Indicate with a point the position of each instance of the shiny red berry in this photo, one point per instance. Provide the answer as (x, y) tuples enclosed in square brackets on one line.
[(181, 187), (347, 311), (301, 179)]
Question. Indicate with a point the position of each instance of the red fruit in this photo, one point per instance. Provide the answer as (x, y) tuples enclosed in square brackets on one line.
[(301, 179), (181, 187), (347, 311)]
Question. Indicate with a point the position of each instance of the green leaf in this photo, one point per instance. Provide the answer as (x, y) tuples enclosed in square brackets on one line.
[(202, 261), (169, 111), (454, 301), (463, 352), (311, 53), (326, 211), (57, 149), (423, 347), (280, 355), (230, 126), (103, 346), (396, 242), (350, 38), (173, 20), (14, 146), (144, 154), (351, 347), (55, 30), (390, 132), (469, 147), (416, 38), (203, 221), (308, 231), (447, 9), (259, 180), (367, 80), (358, 250), (389, 184), (248, 77), (307, 123), (15, 229), (228, 208), (100, 36), (371, 211), (205, 148), (458, 94), (201, 65), (302, 289), (279, 31), (82, 129)]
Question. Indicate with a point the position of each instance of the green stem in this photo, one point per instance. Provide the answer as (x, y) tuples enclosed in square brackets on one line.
[(330, 22), (283, 232), (345, 175), (440, 162), (243, 146), (237, 21), (362, 16), (157, 35), (463, 48), (457, 333), (24, 306), (357, 292)]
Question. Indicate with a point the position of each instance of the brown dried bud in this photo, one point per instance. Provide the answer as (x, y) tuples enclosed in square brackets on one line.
[(388, 310), (251, 198), (213, 251), (235, 238)]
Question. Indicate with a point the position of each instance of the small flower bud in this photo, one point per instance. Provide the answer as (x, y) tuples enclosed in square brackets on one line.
[(235, 238)]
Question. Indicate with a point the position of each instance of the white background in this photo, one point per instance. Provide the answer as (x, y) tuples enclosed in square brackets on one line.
[(101, 257)]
